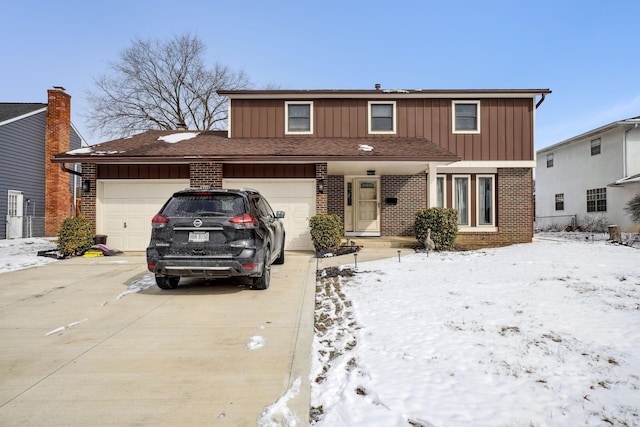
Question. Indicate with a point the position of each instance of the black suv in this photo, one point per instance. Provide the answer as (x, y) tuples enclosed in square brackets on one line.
[(215, 234)]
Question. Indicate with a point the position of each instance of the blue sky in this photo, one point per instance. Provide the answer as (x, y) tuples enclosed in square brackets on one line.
[(583, 51)]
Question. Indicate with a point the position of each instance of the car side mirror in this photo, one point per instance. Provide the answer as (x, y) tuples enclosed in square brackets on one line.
[(280, 214)]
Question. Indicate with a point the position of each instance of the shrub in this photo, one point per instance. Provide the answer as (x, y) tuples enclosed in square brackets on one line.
[(443, 223), (326, 231), (633, 208), (75, 236)]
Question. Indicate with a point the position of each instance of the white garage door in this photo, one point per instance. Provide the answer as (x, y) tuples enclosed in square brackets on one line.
[(296, 197), (125, 208)]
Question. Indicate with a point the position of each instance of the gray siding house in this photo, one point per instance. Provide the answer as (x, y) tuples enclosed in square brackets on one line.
[(30, 203)]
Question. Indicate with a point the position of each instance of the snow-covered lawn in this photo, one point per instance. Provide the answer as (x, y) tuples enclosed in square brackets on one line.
[(17, 254), (540, 334)]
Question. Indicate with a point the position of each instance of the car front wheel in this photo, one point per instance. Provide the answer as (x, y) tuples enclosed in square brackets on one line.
[(262, 282), (167, 282)]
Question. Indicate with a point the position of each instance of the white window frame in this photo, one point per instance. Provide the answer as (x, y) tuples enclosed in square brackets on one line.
[(453, 117), (444, 190), (493, 201), (382, 132), (286, 118), (454, 191), (550, 160)]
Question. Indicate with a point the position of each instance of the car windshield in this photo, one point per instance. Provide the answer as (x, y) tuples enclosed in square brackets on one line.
[(205, 205)]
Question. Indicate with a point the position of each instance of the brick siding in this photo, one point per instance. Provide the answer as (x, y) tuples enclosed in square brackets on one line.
[(206, 175), (410, 190), (88, 199), (58, 191), (321, 198)]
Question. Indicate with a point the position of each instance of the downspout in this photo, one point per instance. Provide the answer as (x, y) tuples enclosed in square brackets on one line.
[(541, 100), (71, 171), (75, 174), (624, 151)]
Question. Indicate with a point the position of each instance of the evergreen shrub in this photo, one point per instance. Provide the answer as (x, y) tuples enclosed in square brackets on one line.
[(75, 236), (443, 223)]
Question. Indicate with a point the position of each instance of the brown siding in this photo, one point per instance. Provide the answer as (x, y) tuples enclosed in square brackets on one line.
[(269, 171), (142, 171), (506, 124)]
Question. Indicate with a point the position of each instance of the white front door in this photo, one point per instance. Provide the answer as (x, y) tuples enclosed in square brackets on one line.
[(362, 206), (14, 215)]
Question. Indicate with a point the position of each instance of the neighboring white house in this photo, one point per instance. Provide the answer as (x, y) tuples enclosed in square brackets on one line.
[(590, 178)]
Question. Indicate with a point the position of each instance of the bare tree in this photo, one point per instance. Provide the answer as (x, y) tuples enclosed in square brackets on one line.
[(158, 85)]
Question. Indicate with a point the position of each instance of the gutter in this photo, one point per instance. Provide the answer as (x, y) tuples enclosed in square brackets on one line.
[(64, 167)]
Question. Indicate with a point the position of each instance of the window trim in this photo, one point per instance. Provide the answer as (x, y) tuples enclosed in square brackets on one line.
[(549, 160), (594, 193), (286, 118), (454, 103), (559, 198), (444, 190), (598, 145), (393, 119), (454, 191), (493, 200)]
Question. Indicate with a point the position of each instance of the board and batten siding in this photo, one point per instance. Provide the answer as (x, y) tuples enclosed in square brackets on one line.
[(506, 128)]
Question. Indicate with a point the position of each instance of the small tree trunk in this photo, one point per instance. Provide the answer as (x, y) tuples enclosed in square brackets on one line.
[(614, 234)]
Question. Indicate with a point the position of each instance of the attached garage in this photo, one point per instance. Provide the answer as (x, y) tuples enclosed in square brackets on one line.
[(296, 197), (124, 209)]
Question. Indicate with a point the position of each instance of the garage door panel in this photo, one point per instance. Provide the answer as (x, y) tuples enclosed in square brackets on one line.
[(126, 209), (296, 197)]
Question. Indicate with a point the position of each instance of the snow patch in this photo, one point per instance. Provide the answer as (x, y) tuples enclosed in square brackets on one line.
[(139, 285), (256, 342), (364, 147), (83, 150), (279, 414), (177, 137), (62, 328)]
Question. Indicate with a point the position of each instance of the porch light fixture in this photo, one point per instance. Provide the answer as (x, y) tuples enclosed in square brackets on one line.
[(86, 186), (321, 186)]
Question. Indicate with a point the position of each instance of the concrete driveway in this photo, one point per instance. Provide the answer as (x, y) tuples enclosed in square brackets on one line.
[(217, 353)]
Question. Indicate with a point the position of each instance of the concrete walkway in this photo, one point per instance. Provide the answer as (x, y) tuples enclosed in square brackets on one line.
[(217, 353)]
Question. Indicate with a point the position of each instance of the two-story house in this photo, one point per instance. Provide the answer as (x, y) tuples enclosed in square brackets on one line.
[(35, 194), (374, 157), (588, 180)]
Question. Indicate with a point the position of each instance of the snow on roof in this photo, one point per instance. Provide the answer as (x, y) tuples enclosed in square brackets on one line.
[(83, 150), (177, 137), (364, 147)]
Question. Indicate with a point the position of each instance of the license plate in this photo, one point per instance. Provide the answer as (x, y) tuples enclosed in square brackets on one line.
[(198, 237)]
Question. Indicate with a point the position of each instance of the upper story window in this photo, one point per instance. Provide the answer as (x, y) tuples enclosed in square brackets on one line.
[(595, 147), (466, 116), (382, 117), (550, 160), (298, 117)]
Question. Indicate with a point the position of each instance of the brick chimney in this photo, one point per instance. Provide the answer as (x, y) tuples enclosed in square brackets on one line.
[(58, 190)]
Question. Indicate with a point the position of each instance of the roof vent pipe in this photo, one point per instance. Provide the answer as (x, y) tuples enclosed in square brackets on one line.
[(378, 86), (181, 126)]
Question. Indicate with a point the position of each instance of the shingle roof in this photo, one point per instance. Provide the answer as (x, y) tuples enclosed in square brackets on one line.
[(11, 110), (214, 146)]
